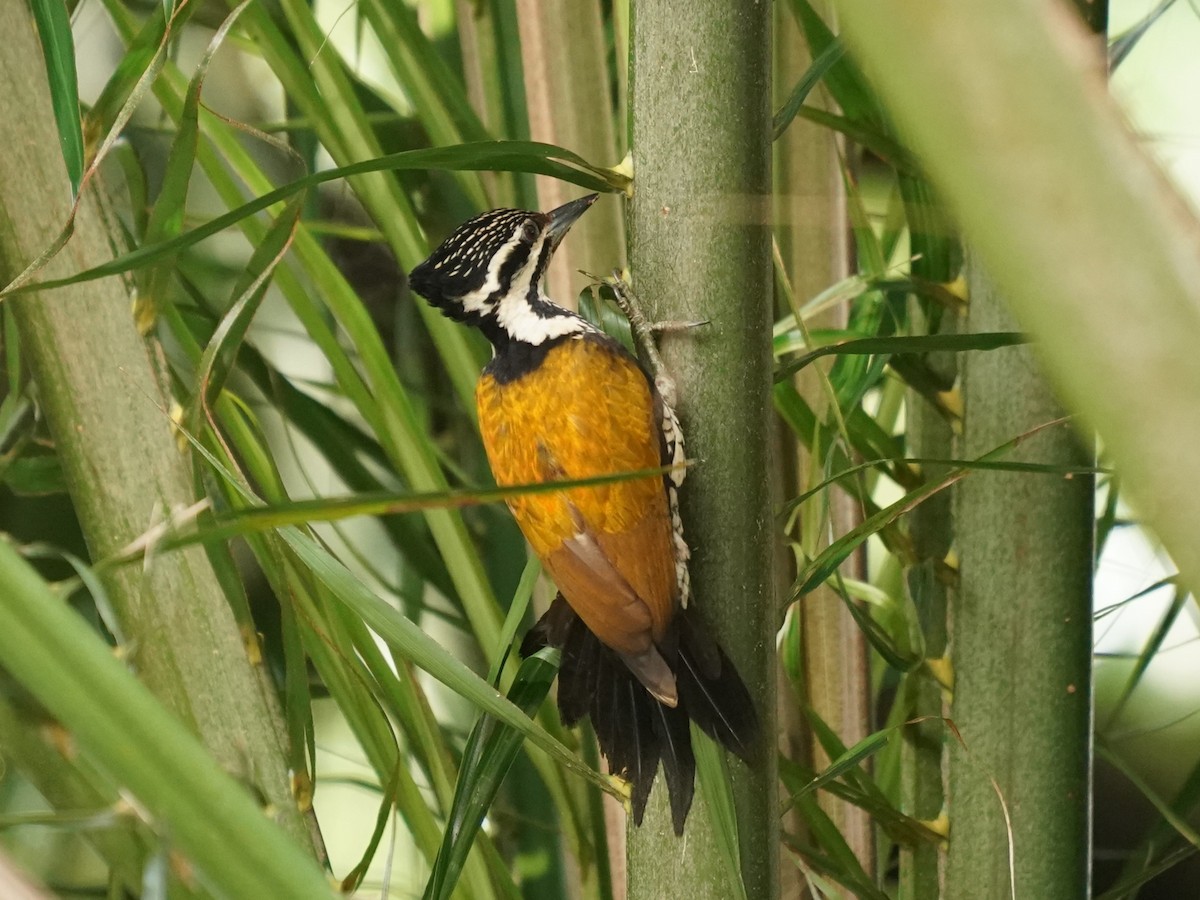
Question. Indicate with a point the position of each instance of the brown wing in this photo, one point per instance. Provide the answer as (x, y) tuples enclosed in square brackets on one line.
[(586, 411)]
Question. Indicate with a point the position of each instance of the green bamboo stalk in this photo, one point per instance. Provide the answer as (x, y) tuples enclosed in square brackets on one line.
[(1021, 638), (987, 710), (1047, 570), (700, 250), (109, 414)]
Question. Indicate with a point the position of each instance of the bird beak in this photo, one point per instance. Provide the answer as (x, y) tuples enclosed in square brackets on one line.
[(564, 217)]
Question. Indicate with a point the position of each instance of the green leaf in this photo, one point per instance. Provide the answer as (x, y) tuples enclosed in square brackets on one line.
[(897, 651), (1121, 45), (1181, 826), (387, 803), (435, 91), (134, 77), (210, 818), (845, 760), (510, 156), (143, 84), (400, 633), (166, 218), (218, 359), (820, 66), (869, 136), (354, 455), (933, 239), (87, 578), (832, 556), (910, 462), (712, 771), (1127, 887), (34, 476), (415, 645), (268, 518), (840, 863), (58, 48), (595, 306), (901, 828), (846, 84), (490, 751), (1153, 644), (516, 614), (887, 346)]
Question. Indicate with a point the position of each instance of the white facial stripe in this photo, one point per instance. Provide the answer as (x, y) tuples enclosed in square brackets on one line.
[(514, 312), (522, 323), (521, 279), (517, 316), (476, 300)]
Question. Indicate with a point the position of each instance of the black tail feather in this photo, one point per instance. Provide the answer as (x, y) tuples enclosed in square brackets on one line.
[(635, 751), (711, 690), (633, 729), (576, 695), (679, 765)]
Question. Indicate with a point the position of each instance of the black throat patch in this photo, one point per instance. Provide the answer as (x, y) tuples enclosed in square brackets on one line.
[(515, 359)]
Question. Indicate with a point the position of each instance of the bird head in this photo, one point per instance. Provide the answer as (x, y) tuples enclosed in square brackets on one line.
[(491, 268)]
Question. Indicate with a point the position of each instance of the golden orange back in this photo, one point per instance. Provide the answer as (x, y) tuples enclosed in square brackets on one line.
[(587, 410)]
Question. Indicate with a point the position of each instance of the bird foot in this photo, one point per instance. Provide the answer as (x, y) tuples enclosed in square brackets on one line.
[(644, 332)]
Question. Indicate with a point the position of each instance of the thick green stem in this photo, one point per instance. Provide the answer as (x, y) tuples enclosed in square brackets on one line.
[(1022, 638), (700, 250), (110, 416)]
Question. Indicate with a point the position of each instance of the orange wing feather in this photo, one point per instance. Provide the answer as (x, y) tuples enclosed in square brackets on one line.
[(587, 410)]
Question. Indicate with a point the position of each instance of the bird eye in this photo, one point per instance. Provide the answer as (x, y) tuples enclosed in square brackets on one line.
[(529, 231)]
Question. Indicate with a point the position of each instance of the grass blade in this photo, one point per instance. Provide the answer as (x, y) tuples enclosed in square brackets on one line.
[(58, 48), (900, 344), (824, 565), (845, 82), (489, 754), (508, 156), (712, 771), (820, 66)]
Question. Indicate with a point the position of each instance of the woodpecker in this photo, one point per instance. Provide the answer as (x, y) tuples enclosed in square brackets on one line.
[(560, 400)]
